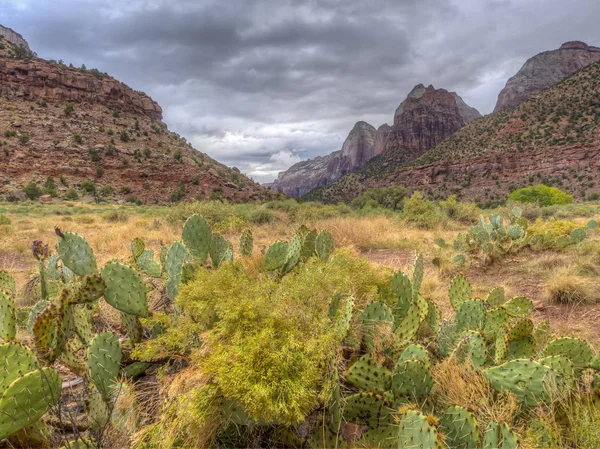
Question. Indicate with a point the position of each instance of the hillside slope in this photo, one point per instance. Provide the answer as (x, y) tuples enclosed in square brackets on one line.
[(77, 125), (554, 137)]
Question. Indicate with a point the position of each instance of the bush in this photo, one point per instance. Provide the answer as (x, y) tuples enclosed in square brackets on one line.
[(32, 191), (50, 186), (116, 216), (69, 109), (124, 136), (422, 212), (72, 195), (541, 195), (387, 197), (88, 186), (459, 211), (4, 220)]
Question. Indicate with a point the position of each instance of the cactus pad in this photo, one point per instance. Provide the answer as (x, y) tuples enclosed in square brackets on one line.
[(8, 326), (521, 329), (471, 346), (76, 254), (501, 346), (565, 374), (470, 315), (309, 243), (246, 243), (368, 375), (459, 292), (132, 325), (324, 245), (137, 247), (521, 349), (293, 254), (416, 431), (446, 338), (519, 307), (150, 267), (219, 250), (415, 352), (494, 319), (577, 235), (103, 362), (402, 288), (492, 436), (196, 235), (418, 273), (496, 297), (15, 360), (276, 256), (7, 282), (27, 399), (412, 378), (577, 350), (368, 409), (342, 318), (530, 381), (375, 319), (125, 289), (460, 428), (92, 288), (409, 326)]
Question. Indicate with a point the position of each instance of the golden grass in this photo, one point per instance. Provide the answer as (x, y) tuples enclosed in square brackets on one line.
[(566, 287)]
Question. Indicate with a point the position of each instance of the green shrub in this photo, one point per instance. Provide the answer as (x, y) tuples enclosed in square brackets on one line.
[(32, 191), (4, 220), (88, 186), (542, 195), (387, 197), (72, 195), (69, 109), (459, 211), (422, 212)]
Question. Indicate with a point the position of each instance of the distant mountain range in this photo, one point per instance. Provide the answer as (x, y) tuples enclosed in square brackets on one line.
[(553, 137), (422, 122)]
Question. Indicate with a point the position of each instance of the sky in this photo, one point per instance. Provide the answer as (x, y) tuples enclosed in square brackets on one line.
[(263, 84)]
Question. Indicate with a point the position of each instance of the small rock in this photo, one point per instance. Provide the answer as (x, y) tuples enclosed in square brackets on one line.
[(45, 198)]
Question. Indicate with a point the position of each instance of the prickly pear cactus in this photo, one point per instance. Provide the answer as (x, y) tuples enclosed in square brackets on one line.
[(460, 428), (495, 319), (220, 250), (402, 288), (415, 352), (76, 254), (492, 436), (150, 267), (197, 236), (377, 324), (564, 368), (125, 289), (577, 235), (137, 247), (92, 288), (501, 345), (276, 256), (8, 327), (521, 329), (103, 362), (577, 350), (459, 292), (7, 282), (293, 254), (15, 360), (418, 273), (324, 245), (407, 329), (309, 243), (97, 408), (342, 318), (496, 297), (37, 308), (411, 379), (471, 346), (132, 325), (368, 375), (519, 307), (246, 243), (446, 338), (509, 438), (531, 382), (27, 399), (417, 431), (470, 315), (335, 406), (367, 409), (434, 317)]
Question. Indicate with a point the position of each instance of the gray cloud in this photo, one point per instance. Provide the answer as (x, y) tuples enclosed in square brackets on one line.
[(262, 84)]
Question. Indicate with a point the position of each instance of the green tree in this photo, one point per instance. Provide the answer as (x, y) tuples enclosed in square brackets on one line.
[(542, 195), (32, 191), (50, 186)]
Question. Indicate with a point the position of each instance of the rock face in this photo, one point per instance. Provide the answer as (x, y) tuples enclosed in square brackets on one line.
[(36, 79), (304, 176), (76, 126), (552, 138), (425, 118), (544, 70), (13, 37)]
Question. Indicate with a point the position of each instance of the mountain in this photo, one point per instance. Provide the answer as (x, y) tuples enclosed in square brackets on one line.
[(544, 70), (77, 125), (304, 176), (552, 138), (426, 117), (13, 38)]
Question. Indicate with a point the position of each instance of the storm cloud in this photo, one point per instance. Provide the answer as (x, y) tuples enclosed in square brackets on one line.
[(262, 84)]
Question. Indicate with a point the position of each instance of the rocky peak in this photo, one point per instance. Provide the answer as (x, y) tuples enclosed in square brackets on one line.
[(13, 37), (425, 118), (544, 70)]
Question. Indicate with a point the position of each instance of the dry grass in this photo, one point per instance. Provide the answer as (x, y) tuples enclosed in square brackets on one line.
[(566, 287)]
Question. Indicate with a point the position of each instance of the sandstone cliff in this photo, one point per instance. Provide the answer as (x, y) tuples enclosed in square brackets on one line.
[(426, 117), (553, 138), (14, 38), (81, 125), (544, 70), (304, 176)]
